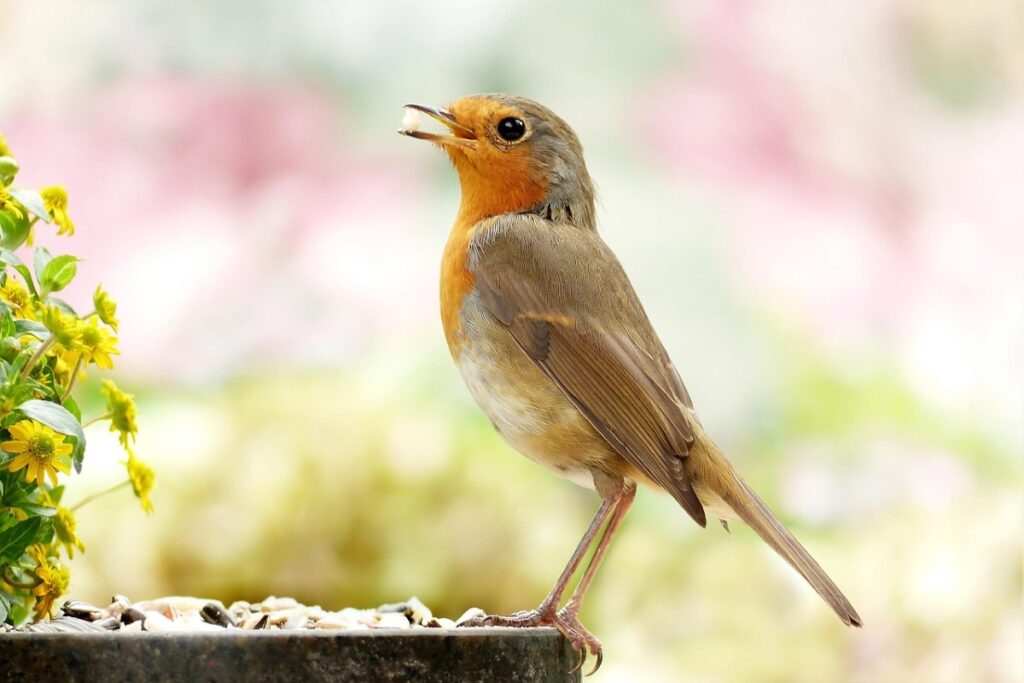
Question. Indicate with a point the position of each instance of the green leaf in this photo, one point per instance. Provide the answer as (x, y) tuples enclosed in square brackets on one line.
[(45, 384), (20, 495), (56, 493), (19, 613), (58, 273), (15, 539), (42, 257), (37, 330), (15, 368), (45, 535), (31, 200), (5, 607), (72, 405), (10, 258), (8, 223), (62, 305), (38, 510), (57, 418), (23, 500), (7, 327)]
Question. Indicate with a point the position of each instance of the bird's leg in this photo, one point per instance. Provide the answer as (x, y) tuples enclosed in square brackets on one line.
[(545, 613), (622, 505), (567, 618), (618, 497)]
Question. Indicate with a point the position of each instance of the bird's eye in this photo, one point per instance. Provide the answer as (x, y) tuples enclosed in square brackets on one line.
[(511, 129)]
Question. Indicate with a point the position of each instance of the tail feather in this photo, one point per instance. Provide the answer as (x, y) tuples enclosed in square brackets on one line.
[(753, 511)]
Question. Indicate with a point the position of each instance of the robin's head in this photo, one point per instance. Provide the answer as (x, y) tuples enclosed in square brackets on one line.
[(512, 156)]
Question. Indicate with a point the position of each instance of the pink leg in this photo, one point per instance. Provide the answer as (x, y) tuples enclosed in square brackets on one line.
[(547, 608), (555, 596), (568, 616), (617, 501), (622, 505)]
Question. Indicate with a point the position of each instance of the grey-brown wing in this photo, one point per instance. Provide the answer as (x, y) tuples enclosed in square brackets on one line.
[(589, 334)]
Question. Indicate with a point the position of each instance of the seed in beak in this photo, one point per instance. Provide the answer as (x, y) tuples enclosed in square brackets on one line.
[(412, 121)]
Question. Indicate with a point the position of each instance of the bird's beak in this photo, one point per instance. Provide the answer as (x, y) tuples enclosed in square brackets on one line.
[(459, 135)]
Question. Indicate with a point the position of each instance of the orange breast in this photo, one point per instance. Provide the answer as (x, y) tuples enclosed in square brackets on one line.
[(506, 185), (456, 283)]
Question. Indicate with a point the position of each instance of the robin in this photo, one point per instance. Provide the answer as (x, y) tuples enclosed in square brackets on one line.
[(557, 350)]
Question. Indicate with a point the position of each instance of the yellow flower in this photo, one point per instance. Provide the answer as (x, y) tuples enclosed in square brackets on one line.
[(105, 307), (38, 552), (17, 298), (141, 476), (64, 363), (38, 450), (53, 581), (96, 344), (5, 151), (64, 525), (55, 201), (8, 204), (66, 331), (121, 408)]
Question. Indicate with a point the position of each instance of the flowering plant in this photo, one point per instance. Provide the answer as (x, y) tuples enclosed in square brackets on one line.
[(45, 348)]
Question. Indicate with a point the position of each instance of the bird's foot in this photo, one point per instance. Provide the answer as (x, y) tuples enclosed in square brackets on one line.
[(523, 619), (566, 620), (583, 641)]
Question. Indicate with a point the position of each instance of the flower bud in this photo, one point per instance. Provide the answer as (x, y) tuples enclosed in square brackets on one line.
[(8, 169), (10, 347)]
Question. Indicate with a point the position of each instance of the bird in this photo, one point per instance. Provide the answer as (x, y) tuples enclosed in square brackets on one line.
[(555, 347)]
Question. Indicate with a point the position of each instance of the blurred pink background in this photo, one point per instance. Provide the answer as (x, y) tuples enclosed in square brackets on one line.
[(820, 205)]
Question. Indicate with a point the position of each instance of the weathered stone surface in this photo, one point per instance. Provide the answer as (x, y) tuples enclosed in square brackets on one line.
[(423, 655)]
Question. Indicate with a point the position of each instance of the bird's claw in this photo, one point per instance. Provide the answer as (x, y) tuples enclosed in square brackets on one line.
[(582, 640), (565, 620)]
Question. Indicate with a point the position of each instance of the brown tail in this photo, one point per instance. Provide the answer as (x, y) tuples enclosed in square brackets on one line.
[(752, 510)]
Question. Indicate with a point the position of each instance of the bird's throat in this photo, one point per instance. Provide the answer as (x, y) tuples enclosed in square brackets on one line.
[(496, 184)]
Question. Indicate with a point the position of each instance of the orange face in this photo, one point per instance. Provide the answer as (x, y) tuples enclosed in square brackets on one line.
[(489, 142), (513, 155)]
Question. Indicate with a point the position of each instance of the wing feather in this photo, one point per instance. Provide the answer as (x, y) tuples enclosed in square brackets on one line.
[(597, 346)]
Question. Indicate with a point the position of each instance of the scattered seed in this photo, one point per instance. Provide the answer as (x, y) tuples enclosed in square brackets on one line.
[(214, 613), (131, 615), (82, 610)]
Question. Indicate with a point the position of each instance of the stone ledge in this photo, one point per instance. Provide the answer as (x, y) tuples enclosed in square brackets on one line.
[(423, 655)]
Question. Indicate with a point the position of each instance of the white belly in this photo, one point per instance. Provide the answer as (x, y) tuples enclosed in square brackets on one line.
[(496, 371)]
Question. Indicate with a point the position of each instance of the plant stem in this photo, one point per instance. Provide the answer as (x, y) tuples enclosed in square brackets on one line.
[(104, 416), (14, 582), (43, 348), (71, 382), (94, 496)]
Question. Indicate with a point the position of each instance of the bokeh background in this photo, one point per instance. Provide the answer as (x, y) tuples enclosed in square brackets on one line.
[(821, 205)]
